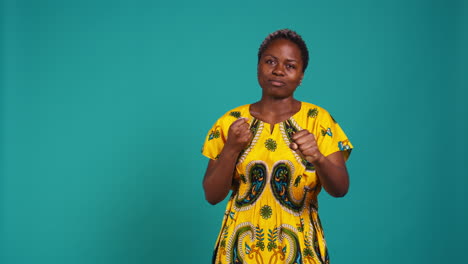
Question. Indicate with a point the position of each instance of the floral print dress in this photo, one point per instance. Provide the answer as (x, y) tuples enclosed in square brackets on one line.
[(272, 214)]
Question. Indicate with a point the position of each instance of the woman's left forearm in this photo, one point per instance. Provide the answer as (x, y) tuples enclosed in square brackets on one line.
[(333, 175), (331, 169)]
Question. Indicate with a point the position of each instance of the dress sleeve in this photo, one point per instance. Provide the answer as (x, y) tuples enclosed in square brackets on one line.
[(330, 137), (215, 140)]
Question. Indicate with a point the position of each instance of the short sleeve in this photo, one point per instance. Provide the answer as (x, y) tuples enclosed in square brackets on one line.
[(330, 137), (214, 141)]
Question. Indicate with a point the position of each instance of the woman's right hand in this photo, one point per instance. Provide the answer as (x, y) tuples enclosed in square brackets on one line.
[(219, 173), (239, 135)]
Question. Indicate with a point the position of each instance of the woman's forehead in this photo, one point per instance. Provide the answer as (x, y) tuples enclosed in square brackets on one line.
[(284, 48)]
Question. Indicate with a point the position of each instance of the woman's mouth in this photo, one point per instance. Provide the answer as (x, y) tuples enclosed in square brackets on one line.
[(276, 82)]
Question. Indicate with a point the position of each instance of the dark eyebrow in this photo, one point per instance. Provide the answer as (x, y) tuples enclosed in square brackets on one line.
[(271, 56), (288, 60)]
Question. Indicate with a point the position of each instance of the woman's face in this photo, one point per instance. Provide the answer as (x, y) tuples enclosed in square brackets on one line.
[(279, 70)]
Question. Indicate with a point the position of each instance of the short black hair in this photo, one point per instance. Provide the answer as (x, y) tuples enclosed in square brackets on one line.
[(291, 36)]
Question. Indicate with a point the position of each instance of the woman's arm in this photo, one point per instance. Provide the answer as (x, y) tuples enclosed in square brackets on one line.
[(331, 170), (218, 176), (333, 174)]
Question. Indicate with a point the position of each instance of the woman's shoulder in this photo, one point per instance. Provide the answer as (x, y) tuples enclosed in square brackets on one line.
[(226, 119), (313, 110), (238, 112)]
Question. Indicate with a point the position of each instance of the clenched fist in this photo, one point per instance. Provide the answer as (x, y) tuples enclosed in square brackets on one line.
[(239, 135), (304, 143)]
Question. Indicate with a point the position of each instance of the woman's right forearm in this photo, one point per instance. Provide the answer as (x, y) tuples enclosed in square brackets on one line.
[(218, 177)]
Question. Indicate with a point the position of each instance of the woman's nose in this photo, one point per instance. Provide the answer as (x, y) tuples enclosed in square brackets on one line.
[(278, 70)]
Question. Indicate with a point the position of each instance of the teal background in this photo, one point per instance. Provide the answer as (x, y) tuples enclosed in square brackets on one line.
[(105, 105)]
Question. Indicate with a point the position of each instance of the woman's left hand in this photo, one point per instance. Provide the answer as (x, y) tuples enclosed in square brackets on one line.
[(331, 170), (304, 143)]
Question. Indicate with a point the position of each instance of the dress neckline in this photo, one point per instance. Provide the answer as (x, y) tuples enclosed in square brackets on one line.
[(273, 125)]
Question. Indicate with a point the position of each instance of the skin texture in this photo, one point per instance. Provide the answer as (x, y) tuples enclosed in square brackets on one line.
[(279, 72)]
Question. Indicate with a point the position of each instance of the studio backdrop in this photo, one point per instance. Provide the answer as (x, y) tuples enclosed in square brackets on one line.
[(104, 107)]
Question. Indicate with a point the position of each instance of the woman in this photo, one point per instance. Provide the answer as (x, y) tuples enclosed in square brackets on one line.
[(275, 155)]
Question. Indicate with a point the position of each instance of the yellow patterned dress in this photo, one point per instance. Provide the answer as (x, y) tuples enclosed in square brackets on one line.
[(271, 216)]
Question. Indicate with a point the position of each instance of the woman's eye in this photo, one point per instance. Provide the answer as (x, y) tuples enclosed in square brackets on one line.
[(269, 61), (291, 66)]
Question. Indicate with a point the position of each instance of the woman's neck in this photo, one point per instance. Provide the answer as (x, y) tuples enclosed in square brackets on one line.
[(272, 110)]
